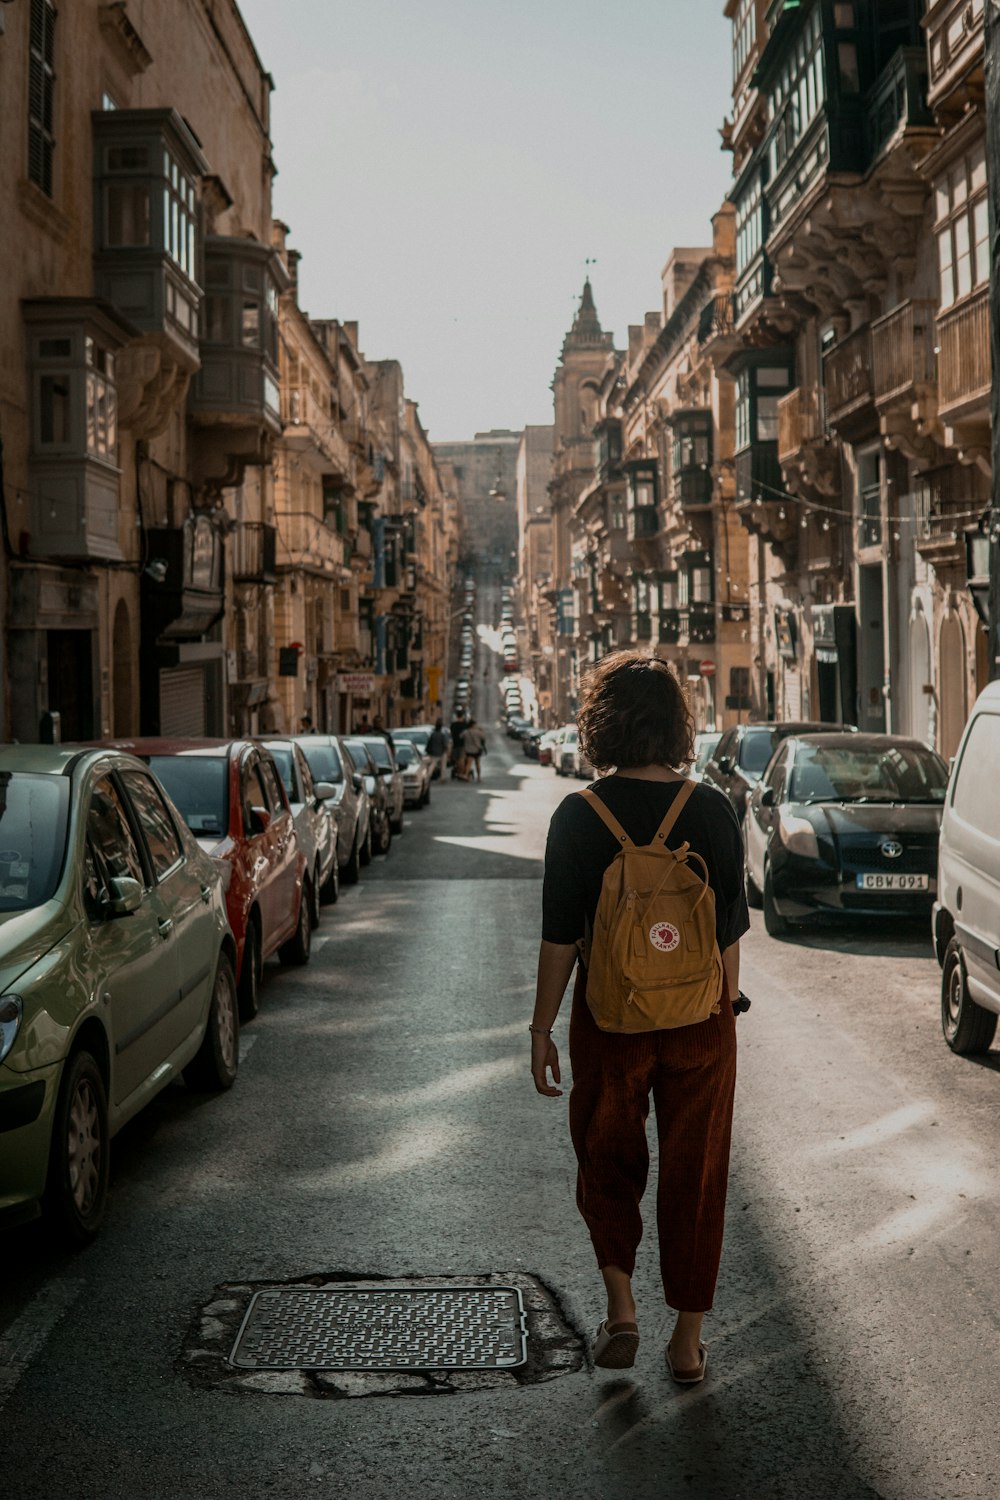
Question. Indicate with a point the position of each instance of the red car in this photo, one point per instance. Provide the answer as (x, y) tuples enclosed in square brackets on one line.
[(231, 797)]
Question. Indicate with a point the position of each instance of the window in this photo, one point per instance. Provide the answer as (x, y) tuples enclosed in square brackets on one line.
[(616, 513), (701, 584), (198, 786), (692, 441), (870, 498), (847, 65), (111, 834), (254, 794), (76, 402), (41, 51), (157, 825), (749, 225), (744, 35), (759, 389), (962, 227), (799, 91), (274, 791)]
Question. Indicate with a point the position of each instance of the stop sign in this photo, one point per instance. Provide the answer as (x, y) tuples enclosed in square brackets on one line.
[(706, 668)]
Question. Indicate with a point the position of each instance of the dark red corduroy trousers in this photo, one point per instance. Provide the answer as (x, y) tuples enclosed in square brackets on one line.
[(691, 1074)]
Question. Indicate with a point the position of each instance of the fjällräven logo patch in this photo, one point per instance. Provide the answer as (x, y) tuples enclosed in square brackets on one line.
[(664, 935)]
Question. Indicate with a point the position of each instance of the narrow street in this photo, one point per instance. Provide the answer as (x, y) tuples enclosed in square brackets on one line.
[(384, 1126)]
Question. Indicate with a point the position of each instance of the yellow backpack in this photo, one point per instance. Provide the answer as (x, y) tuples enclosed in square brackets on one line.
[(652, 959)]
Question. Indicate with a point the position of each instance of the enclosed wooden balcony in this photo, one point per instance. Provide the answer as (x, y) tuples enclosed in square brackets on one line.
[(759, 502), (253, 552), (801, 421), (965, 368), (847, 374), (903, 357), (955, 50)]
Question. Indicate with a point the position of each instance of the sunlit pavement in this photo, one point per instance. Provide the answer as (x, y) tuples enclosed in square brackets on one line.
[(384, 1124)]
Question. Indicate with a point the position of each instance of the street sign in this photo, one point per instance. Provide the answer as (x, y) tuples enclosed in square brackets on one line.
[(359, 684), (706, 668)]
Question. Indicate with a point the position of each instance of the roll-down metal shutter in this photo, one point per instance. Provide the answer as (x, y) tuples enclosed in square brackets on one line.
[(182, 701)]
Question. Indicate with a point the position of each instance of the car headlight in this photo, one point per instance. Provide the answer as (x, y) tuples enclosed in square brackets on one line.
[(798, 836), (11, 1011)]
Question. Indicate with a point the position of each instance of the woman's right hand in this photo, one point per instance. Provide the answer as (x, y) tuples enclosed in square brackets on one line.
[(545, 1058)]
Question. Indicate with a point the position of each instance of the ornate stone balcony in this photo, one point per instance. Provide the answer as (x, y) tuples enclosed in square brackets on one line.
[(956, 52)]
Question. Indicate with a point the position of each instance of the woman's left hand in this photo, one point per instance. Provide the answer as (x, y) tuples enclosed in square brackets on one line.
[(545, 1057)]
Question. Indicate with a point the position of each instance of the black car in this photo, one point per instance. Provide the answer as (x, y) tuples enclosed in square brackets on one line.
[(740, 758), (845, 824)]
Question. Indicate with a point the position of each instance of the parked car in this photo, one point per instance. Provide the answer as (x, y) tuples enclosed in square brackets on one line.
[(330, 762), (384, 757), (529, 742), (557, 745), (230, 795), (845, 825), (967, 911), (515, 724), (118, 972), (416, 770), (314, 817), (742, 754), (545, 747), (379, 812), (573, 761), (704, 745)]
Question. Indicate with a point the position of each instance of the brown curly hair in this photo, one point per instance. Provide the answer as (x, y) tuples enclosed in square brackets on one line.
[(635, 713)]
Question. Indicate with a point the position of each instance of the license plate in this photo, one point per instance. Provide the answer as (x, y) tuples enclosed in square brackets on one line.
[(893, 882)]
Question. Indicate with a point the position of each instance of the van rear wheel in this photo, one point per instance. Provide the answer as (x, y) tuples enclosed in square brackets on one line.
[(968, 1028)]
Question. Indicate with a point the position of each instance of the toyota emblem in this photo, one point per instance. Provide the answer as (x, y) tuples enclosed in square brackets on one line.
[(891, 848)]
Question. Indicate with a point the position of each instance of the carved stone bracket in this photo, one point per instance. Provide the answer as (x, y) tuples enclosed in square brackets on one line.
[(152, 383)]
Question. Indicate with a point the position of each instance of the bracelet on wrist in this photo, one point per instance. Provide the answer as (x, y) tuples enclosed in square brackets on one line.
[(539, 1030)]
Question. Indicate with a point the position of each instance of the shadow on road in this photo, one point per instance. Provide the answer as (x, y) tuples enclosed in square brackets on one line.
[(896, 938)]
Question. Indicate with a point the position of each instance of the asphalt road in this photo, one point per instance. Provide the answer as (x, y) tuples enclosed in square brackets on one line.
[(384, 1125)]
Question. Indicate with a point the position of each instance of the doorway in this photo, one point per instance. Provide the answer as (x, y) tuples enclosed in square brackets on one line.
[(70, 659), (123, 654), (921, 698), (951, 675), (871, 650)]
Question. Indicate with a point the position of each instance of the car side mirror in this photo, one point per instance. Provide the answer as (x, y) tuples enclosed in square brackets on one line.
[(767, 797), (356, 781), (324, 790), (260, 820), (124, 897)]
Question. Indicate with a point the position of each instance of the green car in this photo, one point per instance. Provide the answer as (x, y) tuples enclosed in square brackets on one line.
[(116, 971)]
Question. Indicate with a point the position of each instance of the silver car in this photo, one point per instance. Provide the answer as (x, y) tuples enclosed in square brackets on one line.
[(392, 777), (314, 815), (417, 769), (328, 761)]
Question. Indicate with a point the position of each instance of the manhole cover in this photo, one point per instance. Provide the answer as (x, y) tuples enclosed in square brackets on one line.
[(383, 1328)]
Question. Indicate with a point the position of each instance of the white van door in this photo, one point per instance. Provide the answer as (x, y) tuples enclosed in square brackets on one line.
[(971, 846)]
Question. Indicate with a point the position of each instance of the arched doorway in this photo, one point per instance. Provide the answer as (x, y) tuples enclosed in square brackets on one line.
[(951, 676), (123, 651), (920, 676)]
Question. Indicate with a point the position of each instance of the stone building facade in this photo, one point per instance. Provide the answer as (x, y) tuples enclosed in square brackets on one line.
[(485, 471), (184, 498)]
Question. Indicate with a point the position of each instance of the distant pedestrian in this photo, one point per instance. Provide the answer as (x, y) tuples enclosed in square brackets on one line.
[(437, 749), (458, 727), (635, 719), (363, 725), (378, 727), (306, 724), (474, 746)]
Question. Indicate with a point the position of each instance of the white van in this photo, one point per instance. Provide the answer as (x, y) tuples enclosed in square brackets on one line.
[(967, 910)]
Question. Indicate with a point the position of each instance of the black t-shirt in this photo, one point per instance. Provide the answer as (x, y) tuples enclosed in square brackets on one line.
[(580, 847)]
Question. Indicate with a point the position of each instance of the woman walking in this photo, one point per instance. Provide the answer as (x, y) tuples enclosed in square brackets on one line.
[(635, 724)]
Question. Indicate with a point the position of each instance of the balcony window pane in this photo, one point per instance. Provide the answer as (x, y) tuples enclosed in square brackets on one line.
[(981, 240), (769, 379), (942, 201), (959, 184), (127, 214), (847, 62), (767, 419), (977, 168), (250, 325), (945, 265), (54, 411), (217, 320), (963, 258)]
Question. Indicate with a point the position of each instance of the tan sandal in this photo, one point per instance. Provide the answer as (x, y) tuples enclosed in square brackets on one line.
[(615, 1346), (689, 1377)]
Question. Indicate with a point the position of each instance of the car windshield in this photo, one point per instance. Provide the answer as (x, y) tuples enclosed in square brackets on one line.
[(756, 750), (405, 753), (359, 756), (197, 785), (704, 745), (33, 819), (282, 758), (380, 752), (867, 773), (324, 762)]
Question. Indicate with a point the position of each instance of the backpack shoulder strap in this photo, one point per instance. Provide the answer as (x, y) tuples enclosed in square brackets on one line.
[(607, 817), (676, 808)]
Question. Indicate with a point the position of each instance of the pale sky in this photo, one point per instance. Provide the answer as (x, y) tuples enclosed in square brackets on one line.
[(448, 166)]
